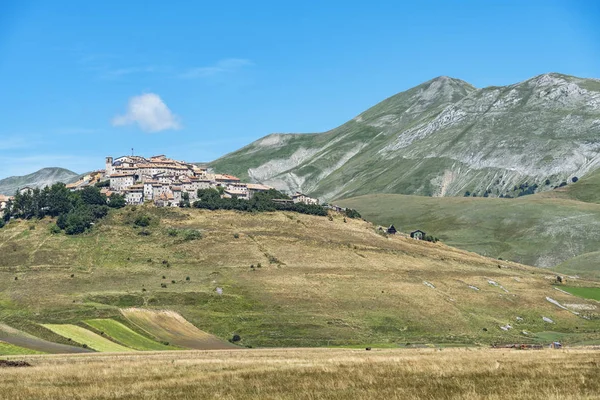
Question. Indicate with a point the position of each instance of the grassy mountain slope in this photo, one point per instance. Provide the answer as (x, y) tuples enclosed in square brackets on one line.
[(440, 138), (558, 228), (41, 178), (532, 230), (314, 281)]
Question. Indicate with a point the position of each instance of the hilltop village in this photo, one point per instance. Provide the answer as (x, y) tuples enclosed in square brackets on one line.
[(166, 182)]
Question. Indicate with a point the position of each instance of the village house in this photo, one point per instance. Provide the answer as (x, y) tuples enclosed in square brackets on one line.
[(302, 198), (4, 200), (418, 234)]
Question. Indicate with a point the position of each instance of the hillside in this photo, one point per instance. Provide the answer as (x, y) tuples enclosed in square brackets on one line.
[(441, 138), (545, 229), (285, 279), (38, 179)]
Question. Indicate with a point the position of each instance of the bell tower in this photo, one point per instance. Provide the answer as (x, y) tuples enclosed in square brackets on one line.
[(109, 166)]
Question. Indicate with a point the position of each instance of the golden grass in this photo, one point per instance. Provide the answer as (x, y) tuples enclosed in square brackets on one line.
[(310, 374)]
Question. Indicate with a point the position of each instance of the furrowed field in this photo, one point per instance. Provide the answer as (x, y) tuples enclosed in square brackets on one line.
[(468, 373)]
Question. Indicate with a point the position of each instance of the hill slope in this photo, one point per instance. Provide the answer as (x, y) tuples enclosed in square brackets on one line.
[(38, 179), (440, 138), (286, 280), (545, 229)]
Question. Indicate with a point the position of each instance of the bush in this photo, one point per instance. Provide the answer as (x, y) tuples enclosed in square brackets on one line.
[(142, 221), (192, 234), (574, 179), (547, 182), (173, 232), (236, 235), (54, 229), (467, 194), (144, 232), (2, 223), (236, 338), (562, 184)]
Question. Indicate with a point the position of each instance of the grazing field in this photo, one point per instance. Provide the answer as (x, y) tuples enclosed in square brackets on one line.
[(122, 334), (7, 349), (585, 292), (276, 279), (171, 327), (86, 337), (544, 230), (468, 373)]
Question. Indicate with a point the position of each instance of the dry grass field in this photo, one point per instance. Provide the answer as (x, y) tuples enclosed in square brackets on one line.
[(287, 280), (467, 373)]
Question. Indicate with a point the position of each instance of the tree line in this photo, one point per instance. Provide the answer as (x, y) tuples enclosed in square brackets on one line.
[(75, 211), (210, 199)]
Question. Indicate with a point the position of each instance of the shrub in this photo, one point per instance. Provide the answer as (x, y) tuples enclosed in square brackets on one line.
[(144, 232), (562, 184), (574, 179), (187, 278), (2, 223), (259, 265), (172, 232), (236, 338), (163, 285), (547, 182), (142, 221), (467, 194), (173, 282), (236, 235), (192, 234), (54, 229)]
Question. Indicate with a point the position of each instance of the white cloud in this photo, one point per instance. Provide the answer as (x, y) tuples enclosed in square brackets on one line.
[(149, 112), (223, 66)]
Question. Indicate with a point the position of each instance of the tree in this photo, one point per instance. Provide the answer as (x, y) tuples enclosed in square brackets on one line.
[(116, 201), (91, 196), (574, 179)]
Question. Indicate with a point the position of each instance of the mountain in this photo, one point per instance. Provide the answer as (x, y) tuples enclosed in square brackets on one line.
[(41, 178), (441, 138), (279, 279)]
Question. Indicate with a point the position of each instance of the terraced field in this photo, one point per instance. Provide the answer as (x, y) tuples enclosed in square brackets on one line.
[(23, 340), (7, 349), (86, 337), (171, 327), (124, 335)]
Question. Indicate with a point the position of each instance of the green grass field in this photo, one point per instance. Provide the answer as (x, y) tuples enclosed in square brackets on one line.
[(585, 292), (124, 335), (535, 230), (84, 336), (7, 349)]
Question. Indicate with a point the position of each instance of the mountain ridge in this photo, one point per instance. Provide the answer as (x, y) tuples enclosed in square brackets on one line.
[(43, 177), (441, 138)]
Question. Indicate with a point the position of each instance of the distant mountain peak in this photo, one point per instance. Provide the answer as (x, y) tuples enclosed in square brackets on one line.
[(43, 177)]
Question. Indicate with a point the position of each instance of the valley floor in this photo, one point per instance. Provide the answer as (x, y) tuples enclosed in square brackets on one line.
[(465, 373)]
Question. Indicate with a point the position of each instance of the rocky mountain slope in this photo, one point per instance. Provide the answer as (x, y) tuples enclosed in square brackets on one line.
[(441, 138), (41, 178)]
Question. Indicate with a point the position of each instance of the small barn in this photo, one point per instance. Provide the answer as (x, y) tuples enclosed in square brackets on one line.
[(418, 234), (391, 230)]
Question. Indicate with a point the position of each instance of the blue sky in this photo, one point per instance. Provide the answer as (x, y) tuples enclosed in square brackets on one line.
[(195, 80)]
